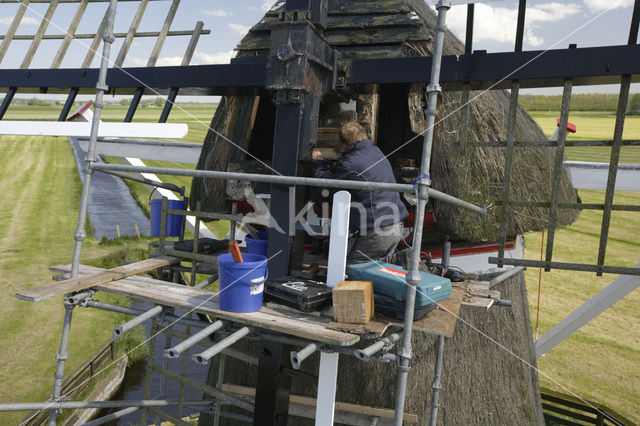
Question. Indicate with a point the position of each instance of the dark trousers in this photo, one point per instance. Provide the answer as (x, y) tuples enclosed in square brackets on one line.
[(374, 245)]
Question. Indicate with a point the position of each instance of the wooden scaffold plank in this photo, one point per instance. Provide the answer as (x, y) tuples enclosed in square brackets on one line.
[(60, 288), (302, 325)]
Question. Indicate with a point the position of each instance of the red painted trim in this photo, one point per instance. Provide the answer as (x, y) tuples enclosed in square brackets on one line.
[(467, 250), (82, 109)]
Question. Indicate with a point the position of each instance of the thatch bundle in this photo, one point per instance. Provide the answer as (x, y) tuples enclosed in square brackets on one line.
[(392, 29), (477, 173)]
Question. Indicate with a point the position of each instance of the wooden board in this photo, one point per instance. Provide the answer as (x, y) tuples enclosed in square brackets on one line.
[(353, 22), (477, 294), (346, 37), (440, 321), (60, 288), (204, 301), (383, 413)]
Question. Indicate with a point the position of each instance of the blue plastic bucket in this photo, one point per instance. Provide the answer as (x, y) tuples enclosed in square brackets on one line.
[(259, 246), (174, 221), (241, 284)]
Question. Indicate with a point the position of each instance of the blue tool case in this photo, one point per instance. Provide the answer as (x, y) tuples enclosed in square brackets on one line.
[(390, 280)]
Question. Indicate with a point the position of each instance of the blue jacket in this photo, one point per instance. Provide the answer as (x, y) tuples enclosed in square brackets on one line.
[(364, 161)]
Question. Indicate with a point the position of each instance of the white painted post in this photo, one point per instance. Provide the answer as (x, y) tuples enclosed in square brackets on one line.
[(327, 379), (338, 241), (338, 238)]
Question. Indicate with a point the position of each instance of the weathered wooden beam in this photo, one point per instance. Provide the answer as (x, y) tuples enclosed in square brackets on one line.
[(191, 47), (186, 59), (210, 390), (361, 7), (116, 35), (359, 410), (60, 288), (347, 37), (12, 28), (354, 22), (162, 37), (131, 33), (96, 41), (63, 1), (64, 46), (38, 38)]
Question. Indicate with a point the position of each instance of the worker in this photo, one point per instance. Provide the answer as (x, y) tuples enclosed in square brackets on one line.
[(375, 219)]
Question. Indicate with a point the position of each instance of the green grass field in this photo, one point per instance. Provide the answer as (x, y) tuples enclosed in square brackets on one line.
[(593, 126), (600, 361), (39, 210)]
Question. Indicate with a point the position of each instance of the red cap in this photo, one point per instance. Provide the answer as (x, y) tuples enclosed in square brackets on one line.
[(570, 127)]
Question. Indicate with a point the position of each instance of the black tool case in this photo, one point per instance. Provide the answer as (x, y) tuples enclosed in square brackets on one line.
[(301, 294), (390, 307)]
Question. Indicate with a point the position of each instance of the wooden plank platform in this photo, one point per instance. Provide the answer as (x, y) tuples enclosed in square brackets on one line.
[(179, 296), (382, 413), (60, 288), (440, 321)]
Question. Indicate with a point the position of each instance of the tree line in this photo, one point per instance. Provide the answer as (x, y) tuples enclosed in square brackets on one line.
[(581, 102)]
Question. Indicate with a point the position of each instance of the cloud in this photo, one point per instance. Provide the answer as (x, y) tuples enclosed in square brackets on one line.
[(215, 58), (218, 12), (600, 5), (266, 5), (135, 61), (27, 20), (239, 28), (499, 23), (169, 61)]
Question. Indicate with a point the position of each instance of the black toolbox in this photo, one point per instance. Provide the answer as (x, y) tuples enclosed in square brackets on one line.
[(301, 294), (390, 307)]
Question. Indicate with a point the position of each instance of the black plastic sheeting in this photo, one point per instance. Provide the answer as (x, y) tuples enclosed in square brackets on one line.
[(110, 202)]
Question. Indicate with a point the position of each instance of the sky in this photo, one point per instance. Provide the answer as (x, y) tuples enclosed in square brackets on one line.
[(549, 25)]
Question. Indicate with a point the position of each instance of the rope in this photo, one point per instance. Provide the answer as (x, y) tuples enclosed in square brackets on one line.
[(539, 285)]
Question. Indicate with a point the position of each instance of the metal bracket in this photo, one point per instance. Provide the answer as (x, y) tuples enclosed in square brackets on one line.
[(404, 352), (434, 88)]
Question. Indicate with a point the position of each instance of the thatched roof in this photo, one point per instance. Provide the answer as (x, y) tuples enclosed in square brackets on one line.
[(395, 28)]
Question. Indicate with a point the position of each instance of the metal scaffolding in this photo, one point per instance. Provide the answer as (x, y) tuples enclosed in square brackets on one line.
[(296, 103)]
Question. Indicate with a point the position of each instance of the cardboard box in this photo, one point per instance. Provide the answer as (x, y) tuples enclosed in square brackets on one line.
[(353, 302)]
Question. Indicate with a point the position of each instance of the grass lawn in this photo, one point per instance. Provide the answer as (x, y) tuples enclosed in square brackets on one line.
[(40, 200), (593, 126), (600, 361)]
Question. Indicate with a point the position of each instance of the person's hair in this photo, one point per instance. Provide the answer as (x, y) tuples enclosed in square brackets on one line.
[(351, 132)]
